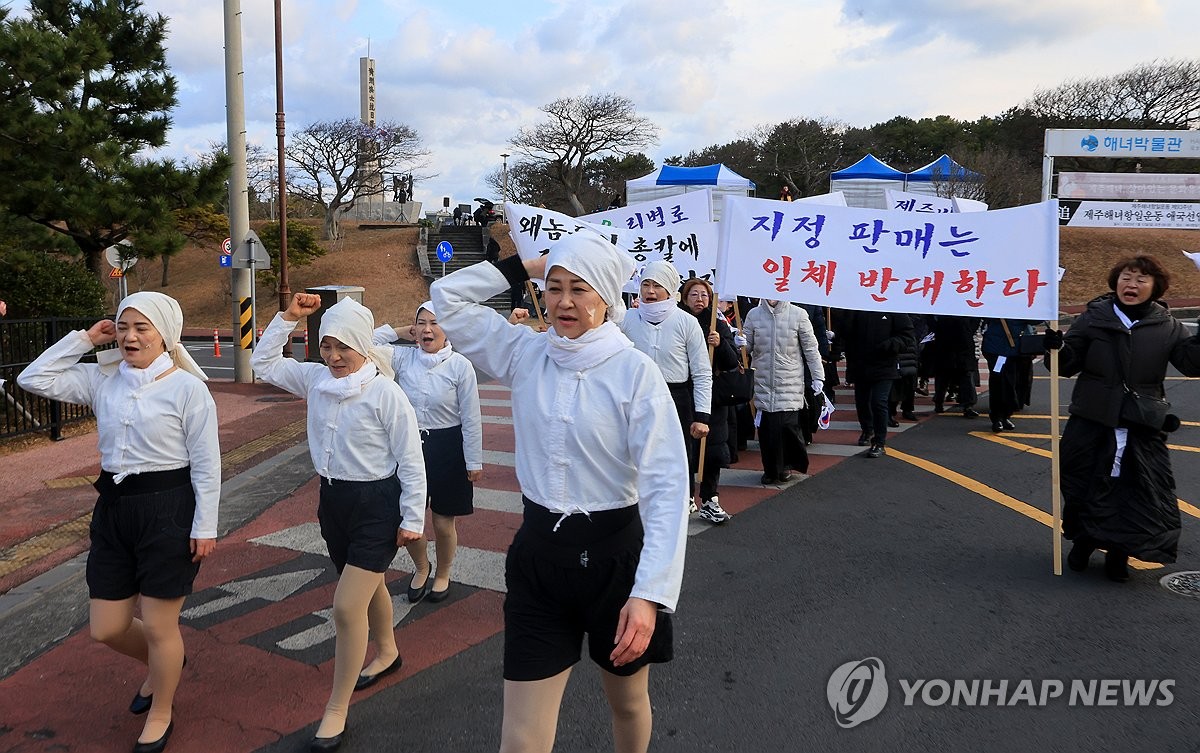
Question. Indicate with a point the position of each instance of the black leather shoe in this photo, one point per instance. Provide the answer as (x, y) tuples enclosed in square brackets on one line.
[(327, 744), (436, 596), (893, 423), (416, 594), (876, 451), (784, 478), (908, 415), (158, 745), (864, 439), (970, 413), (997, 427), (1116, 567), (1077, 558), (1008, 425), (141, 703), (768, 480), (366, 681)]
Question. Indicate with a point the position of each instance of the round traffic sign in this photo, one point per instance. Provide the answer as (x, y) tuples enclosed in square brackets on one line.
[(121, 255), (445, 252), (227, 246)]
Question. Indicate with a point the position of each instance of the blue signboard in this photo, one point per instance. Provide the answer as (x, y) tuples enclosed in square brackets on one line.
[(226, 261), (445, 252)]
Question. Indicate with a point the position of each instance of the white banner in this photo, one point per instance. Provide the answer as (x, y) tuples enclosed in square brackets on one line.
[(1130, 186), (906, 201), (535, 229), (694, 206), (1085, 142), (1001, 263), (968, 205), (1139, 214)]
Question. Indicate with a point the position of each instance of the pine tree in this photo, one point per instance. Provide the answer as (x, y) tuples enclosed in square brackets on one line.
[(85, 97)]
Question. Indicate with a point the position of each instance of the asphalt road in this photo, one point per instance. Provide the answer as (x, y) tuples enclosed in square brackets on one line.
[(932, 560)]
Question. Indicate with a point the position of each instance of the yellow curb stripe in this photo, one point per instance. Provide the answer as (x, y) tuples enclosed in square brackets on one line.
[(994, 495), (1183, 506), (254, 447), (1020, 416), (70, 482)]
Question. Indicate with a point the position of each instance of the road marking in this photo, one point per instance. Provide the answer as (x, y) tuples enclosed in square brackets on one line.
[(70, 482), (269, 588), (44, 544), (1020, 416), (1186, 507), (255, 446), (995, 495), (1018, 435), (326, 631)]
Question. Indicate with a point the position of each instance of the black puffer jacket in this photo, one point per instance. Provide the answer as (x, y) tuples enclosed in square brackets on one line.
[(873, 343), (1098, 338)]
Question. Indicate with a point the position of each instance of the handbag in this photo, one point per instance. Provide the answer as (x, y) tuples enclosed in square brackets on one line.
[(733, 387), (1141, 410)]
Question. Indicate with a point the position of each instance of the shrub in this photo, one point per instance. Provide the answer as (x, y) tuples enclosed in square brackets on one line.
[(38, 284)]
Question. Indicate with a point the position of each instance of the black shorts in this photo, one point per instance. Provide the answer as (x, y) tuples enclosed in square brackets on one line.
[(558, 590), (450, 493), (141, 534), (359, 520)]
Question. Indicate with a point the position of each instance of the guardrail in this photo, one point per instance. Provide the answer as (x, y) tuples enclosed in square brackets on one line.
[(21, 341)]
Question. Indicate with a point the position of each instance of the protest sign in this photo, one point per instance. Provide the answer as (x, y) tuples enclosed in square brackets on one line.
[(1000, 263)]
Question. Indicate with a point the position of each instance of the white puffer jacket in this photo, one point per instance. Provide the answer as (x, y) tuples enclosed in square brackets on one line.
[(778, 338)]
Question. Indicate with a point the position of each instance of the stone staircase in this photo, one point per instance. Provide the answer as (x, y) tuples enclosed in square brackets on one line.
[(469, 243)]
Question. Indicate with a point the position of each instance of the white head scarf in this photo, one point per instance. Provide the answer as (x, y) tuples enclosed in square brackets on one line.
[(429, 360), (353, 324), (164, 313), (598, 263), (664, 273)]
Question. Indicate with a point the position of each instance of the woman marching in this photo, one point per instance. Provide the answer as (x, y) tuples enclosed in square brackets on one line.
[(364, 443), (604, 478), (160, 483), (1117, 487), (697, 300), (443, 390)]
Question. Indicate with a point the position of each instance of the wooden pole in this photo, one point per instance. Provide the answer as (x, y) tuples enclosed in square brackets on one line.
[(1055, 461), (712, 327), (536, 306), (737, 318)]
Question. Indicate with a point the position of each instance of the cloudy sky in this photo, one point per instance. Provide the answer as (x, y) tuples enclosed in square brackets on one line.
[(467, 74)]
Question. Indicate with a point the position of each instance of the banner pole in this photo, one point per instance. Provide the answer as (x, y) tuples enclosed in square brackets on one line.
[(1055, 461), (537, 307), (737, 318)]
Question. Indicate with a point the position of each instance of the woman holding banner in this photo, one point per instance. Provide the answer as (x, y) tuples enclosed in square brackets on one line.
[(603, 474), (1117, 487)]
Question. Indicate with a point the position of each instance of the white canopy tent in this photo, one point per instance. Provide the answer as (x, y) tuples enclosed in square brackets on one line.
[(670, 180)]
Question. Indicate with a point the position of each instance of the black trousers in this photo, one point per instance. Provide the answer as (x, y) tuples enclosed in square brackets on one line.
[(871, 403), (780, 443)]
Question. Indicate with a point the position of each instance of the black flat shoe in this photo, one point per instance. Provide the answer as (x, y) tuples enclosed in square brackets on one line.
[(893, 423), (997, 427), (1077, 558), (908, 416), (970, 413), (416, 594), (158, 745), (366, 681), (768, 480), (142, 703), (1008, 425), (327, 744), (436, 596), (864, 439)]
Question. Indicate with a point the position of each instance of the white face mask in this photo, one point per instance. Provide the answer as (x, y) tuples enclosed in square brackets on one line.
[(657, 311)]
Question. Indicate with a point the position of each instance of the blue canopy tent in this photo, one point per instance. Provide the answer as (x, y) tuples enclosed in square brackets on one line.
[(670, 180), (942, 171), (864, 183)]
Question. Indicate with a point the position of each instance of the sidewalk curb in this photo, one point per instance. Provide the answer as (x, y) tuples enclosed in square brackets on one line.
[(55, 603)]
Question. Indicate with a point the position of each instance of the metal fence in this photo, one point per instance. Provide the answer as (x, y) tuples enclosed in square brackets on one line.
[(21, 341)]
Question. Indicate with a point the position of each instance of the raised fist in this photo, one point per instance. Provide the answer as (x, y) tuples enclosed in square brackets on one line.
[(303, 304), (102, 332), (518, 316)]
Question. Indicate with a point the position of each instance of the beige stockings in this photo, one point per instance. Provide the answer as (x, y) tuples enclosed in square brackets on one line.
[(362, 608), (153, 640), (445, 544), (531, 712)]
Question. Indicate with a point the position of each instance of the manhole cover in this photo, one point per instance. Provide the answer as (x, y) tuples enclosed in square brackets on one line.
[(1186, 583), (277, 399)]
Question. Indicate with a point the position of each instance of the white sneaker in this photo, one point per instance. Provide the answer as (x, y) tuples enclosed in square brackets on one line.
[(712, 511), (692, 506)]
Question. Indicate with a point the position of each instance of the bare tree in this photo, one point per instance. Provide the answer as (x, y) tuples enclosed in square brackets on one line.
[(334, 164), (578, 129), (1159, 94), (801, 152)]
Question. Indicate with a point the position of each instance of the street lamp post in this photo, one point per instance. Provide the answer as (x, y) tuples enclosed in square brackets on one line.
[(504, 179)]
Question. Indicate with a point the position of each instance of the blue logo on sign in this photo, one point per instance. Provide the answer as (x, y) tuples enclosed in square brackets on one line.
[(226, 261), (445, 252), (1090, 143)]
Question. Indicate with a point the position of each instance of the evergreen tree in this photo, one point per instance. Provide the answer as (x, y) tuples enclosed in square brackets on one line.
[(85, 96)]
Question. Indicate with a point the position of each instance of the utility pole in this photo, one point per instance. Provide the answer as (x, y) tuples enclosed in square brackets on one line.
[(239, 201), (285, 290), (504, 179)]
